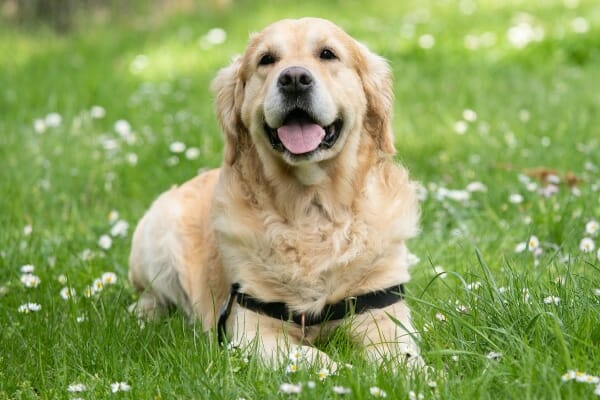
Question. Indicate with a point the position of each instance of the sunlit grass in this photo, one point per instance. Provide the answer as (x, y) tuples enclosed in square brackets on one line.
[(483, 116)]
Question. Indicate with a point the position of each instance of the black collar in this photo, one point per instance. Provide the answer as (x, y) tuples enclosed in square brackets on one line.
[(331, 312)]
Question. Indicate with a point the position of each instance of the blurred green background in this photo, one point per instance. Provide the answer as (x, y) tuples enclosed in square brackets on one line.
[(105, 104)]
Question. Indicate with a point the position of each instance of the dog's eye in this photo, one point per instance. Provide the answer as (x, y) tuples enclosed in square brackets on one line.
[(327, 54), (267, 59)]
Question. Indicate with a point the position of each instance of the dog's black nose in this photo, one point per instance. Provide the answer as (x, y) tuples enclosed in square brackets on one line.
[(295, 80)]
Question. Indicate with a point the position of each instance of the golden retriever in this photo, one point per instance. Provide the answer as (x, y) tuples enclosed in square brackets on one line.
[(308, 210)]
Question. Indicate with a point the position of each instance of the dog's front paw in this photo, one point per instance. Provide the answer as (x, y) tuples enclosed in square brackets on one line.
[(148, 307), (392, 356)]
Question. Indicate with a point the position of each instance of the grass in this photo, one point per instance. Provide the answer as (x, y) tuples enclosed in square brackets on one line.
[(535, 106)]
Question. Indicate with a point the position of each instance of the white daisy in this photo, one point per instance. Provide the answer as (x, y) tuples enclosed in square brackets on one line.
[(531, 186), (524, 179), (476, 187), (377, 392), (76, 388), (548, 190), (291, 368), (30, 280), (460, 127), (113, 216), (39, 125), (323, 374), (97, 285), (172, 161), (177, 147), (105, 242), (290, 388), (123, 128), (139, 63), (215, 36), (53, 120), (580, 25), (297, 354), (492, 355), (120, 228), (515, 198), (552, 300), (569, 375), (192, 153), (590, 379), (341, 390), (533, 243), (415, 396), (412, 259), (27, 230), (583, 377), (592, 227), (459, 195), (27, 269), (131, 158), (439, 270), (29, 307), (521, 247), (469, 115), (88, 292), (523, 33), (97, 112), (461, 308), (587, 245), (553, 179), (67, 293), (109, 278), (120, 387)]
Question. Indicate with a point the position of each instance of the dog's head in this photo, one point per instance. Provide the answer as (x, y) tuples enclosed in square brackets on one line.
[(304, 92)]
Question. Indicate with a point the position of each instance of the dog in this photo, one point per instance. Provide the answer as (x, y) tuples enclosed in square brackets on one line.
[(304, 226)]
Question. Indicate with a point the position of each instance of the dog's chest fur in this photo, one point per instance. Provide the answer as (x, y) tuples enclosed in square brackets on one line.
[(321, 254)]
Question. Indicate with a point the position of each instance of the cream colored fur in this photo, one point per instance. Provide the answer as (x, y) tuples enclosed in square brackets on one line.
[(305, 232)]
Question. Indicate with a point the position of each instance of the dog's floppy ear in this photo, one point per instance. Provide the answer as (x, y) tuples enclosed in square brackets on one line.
[(377, 83), (228, 89)]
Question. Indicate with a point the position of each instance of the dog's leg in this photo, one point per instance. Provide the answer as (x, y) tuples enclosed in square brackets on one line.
[(388, 336), (278, 343), (156, 257)]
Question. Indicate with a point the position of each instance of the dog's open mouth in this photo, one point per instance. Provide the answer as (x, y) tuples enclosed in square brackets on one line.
[(300, 134)]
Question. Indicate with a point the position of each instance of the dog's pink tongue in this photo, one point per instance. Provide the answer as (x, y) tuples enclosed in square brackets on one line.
[(300, 138)]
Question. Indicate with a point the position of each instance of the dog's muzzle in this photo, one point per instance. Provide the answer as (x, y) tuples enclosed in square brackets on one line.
[(301, 131)]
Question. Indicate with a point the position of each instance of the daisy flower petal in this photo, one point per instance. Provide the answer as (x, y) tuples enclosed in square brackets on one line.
[(120, 387)]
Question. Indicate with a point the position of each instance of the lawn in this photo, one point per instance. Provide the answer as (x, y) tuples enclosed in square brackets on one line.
[(497, 114)]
